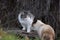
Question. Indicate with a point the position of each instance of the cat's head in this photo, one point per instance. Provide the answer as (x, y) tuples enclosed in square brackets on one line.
[(26, 14), (23, 15)]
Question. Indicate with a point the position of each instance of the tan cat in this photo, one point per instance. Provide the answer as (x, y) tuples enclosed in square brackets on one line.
[(45, 32)]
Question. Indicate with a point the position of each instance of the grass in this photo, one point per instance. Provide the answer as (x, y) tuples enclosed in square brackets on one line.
[(7, 36), (12, 36), (28, 38)]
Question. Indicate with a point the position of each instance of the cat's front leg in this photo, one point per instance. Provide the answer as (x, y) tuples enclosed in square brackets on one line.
[(28, 28)]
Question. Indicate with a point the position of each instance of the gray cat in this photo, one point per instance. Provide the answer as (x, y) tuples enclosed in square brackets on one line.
[(26, 19)]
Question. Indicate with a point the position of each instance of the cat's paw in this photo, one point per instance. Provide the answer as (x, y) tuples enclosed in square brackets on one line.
[(28, 31)]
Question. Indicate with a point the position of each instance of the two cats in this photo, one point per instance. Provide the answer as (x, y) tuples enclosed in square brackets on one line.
[(45, 31)]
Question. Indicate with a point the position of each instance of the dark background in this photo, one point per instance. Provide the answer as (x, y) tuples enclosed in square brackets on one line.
[(45, 10)]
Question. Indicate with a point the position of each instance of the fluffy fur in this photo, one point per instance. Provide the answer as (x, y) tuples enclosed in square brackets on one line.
[(45, 32), (26, 19)]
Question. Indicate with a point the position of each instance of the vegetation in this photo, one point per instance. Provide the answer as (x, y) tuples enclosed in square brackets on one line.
[(12, 36)]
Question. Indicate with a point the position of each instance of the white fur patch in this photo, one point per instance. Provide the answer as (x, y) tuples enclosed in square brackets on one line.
[(26, 22)]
